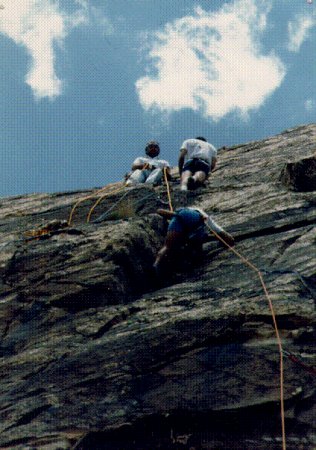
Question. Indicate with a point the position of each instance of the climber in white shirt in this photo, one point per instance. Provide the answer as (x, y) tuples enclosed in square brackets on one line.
[(148, 169), (197, 159)]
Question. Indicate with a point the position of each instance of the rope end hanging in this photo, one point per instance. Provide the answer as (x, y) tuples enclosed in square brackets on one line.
[(278, 338)]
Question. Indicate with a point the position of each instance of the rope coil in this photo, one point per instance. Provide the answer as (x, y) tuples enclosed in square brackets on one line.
[(82, 200), (100, 200)]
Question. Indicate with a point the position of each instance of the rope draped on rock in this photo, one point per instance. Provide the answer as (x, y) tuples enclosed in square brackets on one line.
[(282, 352), (279, 342)]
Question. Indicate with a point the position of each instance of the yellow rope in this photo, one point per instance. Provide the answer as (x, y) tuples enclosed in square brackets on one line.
[(254, 268), (89, 197), (100, 200), (82, 200), (110, 193), (168, 188), (102, 197)]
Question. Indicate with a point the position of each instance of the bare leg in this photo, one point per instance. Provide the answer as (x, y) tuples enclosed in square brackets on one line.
[(184, 179), (199, 177)]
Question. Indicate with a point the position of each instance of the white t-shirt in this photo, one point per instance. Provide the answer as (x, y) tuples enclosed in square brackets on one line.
[(199, 149), (157, 163), (209, 221)]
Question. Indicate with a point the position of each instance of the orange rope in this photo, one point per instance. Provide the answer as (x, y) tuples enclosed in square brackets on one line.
[(254, 268), (100, 200), (88, 198), (168, 188), (102, 197), (82, 200)]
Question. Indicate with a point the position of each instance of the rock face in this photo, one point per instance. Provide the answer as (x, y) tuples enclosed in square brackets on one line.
[(97, 354), (300, 175)]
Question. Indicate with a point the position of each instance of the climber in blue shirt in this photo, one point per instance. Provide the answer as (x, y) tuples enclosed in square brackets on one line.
[(188, 226)]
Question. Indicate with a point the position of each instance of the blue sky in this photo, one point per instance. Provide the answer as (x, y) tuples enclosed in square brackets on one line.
[(85, 84)]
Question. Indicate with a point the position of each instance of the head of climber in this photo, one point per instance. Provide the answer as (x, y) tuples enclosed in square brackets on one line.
[(152, 149), (200, 138)]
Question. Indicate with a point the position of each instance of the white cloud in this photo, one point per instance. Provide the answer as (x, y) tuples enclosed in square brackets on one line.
[(298, 31), (39, 25), (211, 62), (309, 105)]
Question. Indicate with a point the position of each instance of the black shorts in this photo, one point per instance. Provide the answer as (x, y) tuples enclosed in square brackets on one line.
[(197, 165)]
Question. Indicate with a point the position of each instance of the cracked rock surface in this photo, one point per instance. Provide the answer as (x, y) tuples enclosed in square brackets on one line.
[(96, 353)]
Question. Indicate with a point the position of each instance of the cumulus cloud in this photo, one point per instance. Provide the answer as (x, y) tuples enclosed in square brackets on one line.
[(298, 31), (211, 62), (40, 25)]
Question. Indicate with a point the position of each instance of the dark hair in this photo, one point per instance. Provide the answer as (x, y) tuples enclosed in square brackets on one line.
[(201, 138), (152, 144)]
